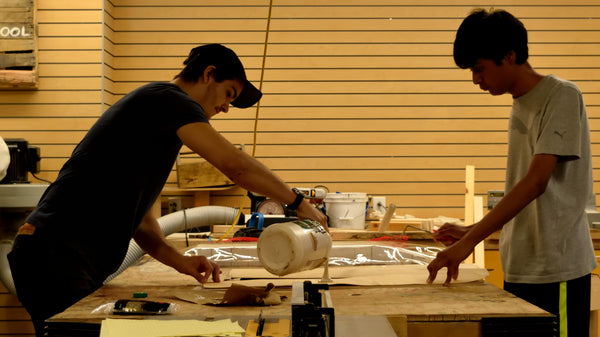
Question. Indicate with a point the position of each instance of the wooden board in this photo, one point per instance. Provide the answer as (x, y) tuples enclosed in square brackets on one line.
[(18, 45), (152, 272), (200, 174)]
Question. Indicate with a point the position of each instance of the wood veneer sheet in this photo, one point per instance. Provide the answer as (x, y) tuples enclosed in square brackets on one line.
[(355, 275)]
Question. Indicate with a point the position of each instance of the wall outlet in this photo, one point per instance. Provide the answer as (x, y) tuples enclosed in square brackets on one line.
[(379, 204), (494, 197), (174, 204)]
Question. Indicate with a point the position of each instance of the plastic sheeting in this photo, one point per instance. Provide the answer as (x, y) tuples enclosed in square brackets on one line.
[(341, 255)]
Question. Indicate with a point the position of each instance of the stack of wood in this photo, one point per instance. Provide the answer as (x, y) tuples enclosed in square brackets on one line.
[(18, 45)]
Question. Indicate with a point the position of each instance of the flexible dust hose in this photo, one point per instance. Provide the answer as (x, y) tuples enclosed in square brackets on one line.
[(177, 222), (5, 275), (169, 224)]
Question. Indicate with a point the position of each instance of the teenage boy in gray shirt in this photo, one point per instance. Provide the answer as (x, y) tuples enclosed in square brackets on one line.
[(545, 245)]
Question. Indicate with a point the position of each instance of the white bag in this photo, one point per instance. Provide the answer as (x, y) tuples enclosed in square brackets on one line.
[(4, 158)]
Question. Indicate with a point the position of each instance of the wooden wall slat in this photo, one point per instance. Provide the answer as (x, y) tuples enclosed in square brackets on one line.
[(342, 24), (325, 11), (351, 61), (444, 48), (69, 14), (574, 74), (335, 36), (222, 12)]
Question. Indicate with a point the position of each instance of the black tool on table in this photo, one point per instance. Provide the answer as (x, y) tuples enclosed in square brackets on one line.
[(261, 324), (312, 310)]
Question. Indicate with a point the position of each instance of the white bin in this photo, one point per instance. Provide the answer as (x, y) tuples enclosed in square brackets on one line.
[(346, 210), (290, 247)]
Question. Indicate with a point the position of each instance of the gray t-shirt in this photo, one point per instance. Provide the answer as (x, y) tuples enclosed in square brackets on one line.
[(549, 240)]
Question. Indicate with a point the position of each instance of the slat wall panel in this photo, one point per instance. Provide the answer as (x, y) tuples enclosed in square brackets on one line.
[(14, 319), (362, 96), (68, 98)]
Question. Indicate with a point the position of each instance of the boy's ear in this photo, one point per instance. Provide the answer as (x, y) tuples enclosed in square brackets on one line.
[(510, 57), (208, 72)]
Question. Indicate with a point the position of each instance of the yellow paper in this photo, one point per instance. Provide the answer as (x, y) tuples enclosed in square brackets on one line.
[(169, 328), (280, 328)]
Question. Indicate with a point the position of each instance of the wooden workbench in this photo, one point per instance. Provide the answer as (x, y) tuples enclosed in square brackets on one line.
[(413, 309)]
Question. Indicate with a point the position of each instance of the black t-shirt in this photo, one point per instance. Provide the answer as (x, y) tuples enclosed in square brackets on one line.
[(115, 174)]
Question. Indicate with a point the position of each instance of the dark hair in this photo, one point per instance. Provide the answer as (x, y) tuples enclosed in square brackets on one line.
[(490, 35)]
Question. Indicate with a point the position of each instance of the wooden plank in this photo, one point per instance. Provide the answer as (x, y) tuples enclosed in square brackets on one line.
[(18, 79), (16, 3), (200, 174), (479, 253), (19, 60), (17, 44), (19, 14)]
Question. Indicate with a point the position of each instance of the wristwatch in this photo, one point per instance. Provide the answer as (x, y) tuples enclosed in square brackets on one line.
[(294, 205)]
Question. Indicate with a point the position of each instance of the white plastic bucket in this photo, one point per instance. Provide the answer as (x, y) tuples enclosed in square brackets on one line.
[(289, 247), (346, 210)]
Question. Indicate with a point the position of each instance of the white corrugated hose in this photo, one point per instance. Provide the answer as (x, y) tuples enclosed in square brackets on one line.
[(169, 224)]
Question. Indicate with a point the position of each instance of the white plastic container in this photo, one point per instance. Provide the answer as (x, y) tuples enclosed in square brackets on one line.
[(346, 210), (290, 247)]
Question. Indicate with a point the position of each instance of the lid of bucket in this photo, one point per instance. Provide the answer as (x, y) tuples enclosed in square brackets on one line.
[(351, 195)]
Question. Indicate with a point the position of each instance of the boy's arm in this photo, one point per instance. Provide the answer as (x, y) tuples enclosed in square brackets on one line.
[(150, 238), (525, 191)]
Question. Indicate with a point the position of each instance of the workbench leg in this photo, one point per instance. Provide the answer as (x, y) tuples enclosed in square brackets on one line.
[(594, 323), (400, 325)]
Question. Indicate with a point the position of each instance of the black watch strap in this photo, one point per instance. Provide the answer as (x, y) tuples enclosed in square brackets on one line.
[(294, 205)]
